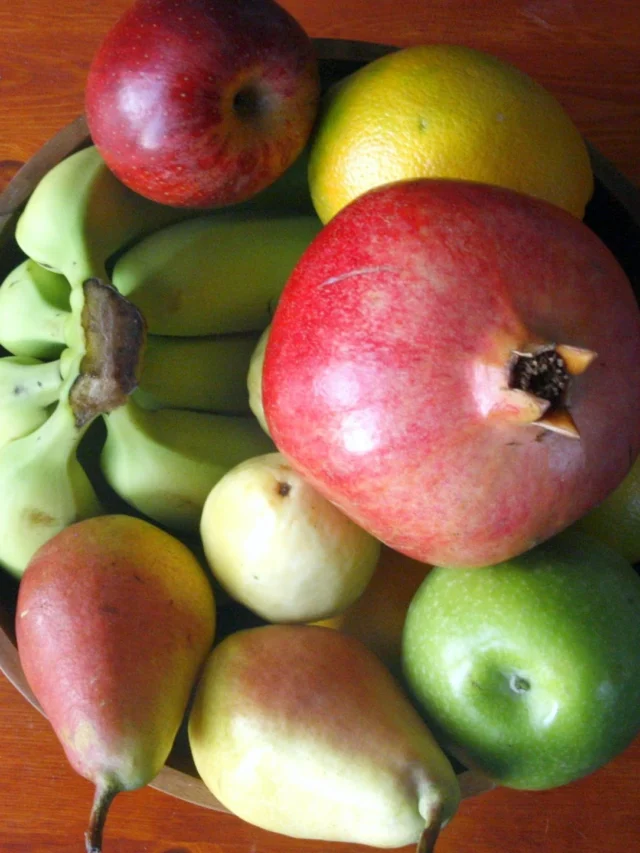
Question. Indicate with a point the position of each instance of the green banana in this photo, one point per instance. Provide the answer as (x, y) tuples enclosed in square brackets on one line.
[(34, 307), (164, 463), (80, 215), (204, 373), (28, 388), (44, 487), (215, 274)]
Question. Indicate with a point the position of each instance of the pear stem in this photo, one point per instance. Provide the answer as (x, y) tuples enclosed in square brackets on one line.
[(105, 792), (430, 834)]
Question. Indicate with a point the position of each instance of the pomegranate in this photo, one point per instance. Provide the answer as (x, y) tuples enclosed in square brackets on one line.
[(455, 366)]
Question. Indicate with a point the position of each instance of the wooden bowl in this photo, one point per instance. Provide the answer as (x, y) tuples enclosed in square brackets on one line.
[(613, 213)]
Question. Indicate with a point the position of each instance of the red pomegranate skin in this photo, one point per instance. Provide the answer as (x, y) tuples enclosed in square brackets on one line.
[(386, 373)]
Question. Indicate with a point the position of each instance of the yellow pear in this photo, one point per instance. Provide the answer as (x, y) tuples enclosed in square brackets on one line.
[(280, 548), (301, 730)]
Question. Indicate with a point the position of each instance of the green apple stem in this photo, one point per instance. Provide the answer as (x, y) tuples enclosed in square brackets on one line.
[(106, 790), (430, 834)]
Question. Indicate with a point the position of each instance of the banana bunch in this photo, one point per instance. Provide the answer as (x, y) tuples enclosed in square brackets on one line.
[(165, 462), (146, 317), (34, 309), (216, 274), (43, 484), (28, 389), (80, 215)]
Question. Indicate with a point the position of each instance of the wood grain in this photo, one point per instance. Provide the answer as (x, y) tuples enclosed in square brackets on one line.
[(44, 807), (585, 52), (588, 54)]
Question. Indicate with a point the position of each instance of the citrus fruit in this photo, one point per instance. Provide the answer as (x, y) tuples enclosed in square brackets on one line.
[(377, 617), (445, 111), (616, 521)]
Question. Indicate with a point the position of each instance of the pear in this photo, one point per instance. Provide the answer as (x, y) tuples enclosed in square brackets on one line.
[(301, 730), (114, 621), (279, 547), (254, 379)]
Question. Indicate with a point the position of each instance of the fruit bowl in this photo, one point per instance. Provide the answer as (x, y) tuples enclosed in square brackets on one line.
[(613, 213)]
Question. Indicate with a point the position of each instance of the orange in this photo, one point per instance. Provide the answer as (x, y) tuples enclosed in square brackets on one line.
[(616, 521), (377, 617), (445, 111)]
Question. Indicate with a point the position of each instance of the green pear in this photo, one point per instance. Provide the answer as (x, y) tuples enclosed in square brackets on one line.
[(301, 730), (254, 379), (277, 546), (114, 620)]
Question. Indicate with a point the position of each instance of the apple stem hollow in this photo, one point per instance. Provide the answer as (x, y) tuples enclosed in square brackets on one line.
[(106, 790), (248, 103)]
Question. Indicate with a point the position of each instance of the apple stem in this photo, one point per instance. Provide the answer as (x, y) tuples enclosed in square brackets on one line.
[(106, 790), (430, 833)]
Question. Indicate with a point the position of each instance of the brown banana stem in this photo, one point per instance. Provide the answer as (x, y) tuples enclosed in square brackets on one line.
[(115, 335)]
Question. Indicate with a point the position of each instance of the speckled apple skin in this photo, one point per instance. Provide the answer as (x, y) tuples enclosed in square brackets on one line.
[(386, 368), (114, 620), (160, 98)]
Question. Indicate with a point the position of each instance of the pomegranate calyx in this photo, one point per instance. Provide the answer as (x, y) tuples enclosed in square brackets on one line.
[(560, 421), (544, 373), (576, 359), (541, 372)]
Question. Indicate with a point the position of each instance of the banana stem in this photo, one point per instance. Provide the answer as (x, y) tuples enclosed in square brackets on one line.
[(114, 335), (106, 790)]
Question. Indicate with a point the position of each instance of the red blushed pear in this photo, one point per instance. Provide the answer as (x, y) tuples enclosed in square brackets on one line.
[(114, 620), (202, 103), (456, 367), (301, 730)]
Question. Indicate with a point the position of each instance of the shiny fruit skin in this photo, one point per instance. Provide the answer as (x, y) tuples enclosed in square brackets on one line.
[(385, 375), (616, 521), (529, 669), (300, 730), (278, 547), (377, 617), (113, 621), (202, 103), (445, 111)]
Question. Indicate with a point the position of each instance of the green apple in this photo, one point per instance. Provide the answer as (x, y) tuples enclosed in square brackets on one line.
[(529, 670)]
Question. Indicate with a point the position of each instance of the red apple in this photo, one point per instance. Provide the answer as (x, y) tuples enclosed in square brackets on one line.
[(202, 103), (456, 367)]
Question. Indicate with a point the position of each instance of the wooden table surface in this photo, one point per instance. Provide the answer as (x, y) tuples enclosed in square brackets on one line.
[(588, 54)]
